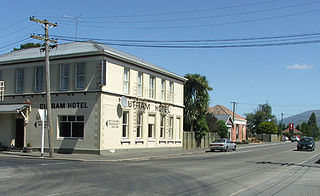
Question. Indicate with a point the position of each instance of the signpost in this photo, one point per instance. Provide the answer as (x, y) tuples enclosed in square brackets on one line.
[(43, 116), (291, 129)]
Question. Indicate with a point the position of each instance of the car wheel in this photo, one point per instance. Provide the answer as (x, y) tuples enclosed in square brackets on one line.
[(235, 147), (298, 149), (211, 150)]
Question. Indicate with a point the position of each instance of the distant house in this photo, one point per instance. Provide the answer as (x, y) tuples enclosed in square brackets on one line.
[(295, 131), (236, 132)]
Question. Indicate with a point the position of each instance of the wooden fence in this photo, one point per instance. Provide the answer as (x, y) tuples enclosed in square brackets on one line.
[(189, 140)]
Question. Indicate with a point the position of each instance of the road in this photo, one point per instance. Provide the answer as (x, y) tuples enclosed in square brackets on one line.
[(254, 170)]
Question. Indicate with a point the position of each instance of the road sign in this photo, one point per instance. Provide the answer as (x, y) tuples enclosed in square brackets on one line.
[(291, 126), (43, 116)]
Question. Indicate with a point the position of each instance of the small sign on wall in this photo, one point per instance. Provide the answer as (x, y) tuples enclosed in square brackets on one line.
[(112, 123)]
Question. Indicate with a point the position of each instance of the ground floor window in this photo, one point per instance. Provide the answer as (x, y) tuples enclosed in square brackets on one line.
[(139, 124), (162, 126), (125, 123), (151, 119), (71, 126), (171, 128), (178, 128)]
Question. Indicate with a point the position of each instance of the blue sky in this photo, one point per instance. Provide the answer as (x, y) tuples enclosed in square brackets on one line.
[(287, 77)]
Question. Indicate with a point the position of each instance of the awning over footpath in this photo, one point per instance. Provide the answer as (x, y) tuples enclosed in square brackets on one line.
[(12, 108)]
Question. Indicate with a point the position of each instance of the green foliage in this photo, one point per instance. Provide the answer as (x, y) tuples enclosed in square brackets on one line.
[(212, 122), (267, 127), (305, 129), (312, 124), (27, 45), (200, 127), (262, 114), (222, 129), (196, 101)]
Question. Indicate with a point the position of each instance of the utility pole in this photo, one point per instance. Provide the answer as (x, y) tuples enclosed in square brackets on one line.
[(47, 25)]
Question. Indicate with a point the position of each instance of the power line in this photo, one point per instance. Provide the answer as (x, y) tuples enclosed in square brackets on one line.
[(14, 43), (206, 25), (205, 17)]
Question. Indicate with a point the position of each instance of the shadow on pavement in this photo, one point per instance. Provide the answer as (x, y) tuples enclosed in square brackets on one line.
[(284, 164)]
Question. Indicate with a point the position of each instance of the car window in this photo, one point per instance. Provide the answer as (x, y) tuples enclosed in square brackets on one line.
[(219, 141)]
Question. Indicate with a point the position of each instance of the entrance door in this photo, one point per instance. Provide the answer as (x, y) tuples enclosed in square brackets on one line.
[(19, 140)]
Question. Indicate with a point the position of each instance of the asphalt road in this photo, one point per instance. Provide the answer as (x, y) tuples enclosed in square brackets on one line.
[(254, 170)]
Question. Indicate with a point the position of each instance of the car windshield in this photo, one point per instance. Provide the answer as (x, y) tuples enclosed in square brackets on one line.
[(219, 141), (306, 140)]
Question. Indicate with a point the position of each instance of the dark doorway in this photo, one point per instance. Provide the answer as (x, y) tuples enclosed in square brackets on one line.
[(19, 140)]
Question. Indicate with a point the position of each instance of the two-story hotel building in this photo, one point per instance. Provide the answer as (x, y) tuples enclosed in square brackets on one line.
[(102, 100)]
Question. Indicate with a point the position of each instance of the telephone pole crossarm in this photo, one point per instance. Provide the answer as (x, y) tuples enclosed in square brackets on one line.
[(45, 22), (43, 38)]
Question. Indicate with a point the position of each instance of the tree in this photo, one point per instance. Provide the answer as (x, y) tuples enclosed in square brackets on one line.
[(27, 45), (212, 122), (305, 129), (262, 114), (312, 124), (196, 101), (222, 129), (267, 127)]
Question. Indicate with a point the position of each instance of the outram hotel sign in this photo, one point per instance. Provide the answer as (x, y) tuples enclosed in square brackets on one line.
[(141, 105), (62, 105)]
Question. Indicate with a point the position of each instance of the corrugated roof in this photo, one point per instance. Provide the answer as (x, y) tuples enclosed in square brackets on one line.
[(81, 48), (220, 109)]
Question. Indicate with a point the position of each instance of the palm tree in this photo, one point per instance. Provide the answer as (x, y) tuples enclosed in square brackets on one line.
[(196, 102)]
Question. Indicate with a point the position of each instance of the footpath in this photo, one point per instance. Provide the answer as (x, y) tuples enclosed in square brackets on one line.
[(145, 154)]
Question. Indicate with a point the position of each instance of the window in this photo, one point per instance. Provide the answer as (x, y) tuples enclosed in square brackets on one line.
[(178, 128), (162, 126), (139, 84), (152, 87), (125, 124), (170, 98), (1, 78), (237, 131), (80, 76), (151, 126), (39, 71), (71, 126), (163, 89), (19, 80), (139, 124), (126, 81), (171, 128), (64, 77)]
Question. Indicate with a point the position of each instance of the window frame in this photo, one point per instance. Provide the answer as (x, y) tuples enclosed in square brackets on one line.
[(170, 97), (139, 124), (140, 84), (71, 126), (170, 129), (19, 81), (126, 80), (63, 77), (152, 83), (36, 79), (81, 76), (126, 136), (152, 137), (163, 89), (162, 126)]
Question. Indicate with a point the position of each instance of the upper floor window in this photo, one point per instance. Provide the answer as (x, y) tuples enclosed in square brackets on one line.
[(170, 97), (163, 89), (126, 80), (38, 80), (80, 76), (19, 80), (64, 77), (139, 84), (152, 82)]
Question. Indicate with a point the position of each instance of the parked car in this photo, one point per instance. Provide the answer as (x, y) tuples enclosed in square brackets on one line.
[(295, 138), (306, 143), (222, 145)]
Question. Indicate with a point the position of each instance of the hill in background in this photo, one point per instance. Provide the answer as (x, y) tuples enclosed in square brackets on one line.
[(302, 117)]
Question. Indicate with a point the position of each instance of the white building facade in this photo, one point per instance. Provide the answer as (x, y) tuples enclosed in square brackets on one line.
[(102, 100)]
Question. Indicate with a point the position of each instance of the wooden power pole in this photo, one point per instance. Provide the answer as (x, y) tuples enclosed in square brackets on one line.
[(47, 25)]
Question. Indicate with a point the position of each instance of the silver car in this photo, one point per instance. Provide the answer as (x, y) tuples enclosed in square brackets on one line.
[(222, 144)]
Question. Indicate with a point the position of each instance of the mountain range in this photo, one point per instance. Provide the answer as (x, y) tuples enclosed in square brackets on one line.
[(302, 117)]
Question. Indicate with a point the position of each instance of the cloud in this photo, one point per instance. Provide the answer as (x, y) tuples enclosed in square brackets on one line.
[(300, 67)]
